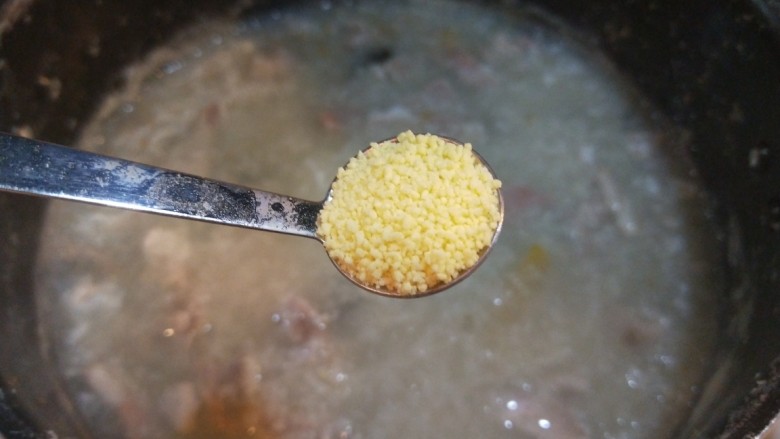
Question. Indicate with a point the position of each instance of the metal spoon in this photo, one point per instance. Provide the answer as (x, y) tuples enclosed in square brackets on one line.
[(33, 167)]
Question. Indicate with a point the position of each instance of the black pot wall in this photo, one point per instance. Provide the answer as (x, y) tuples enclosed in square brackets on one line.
[(713, 69)]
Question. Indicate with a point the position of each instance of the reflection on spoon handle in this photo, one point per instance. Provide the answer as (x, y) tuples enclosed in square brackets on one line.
[(38, 168)]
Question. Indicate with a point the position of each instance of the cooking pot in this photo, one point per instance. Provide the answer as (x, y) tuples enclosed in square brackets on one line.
[(713, 69)]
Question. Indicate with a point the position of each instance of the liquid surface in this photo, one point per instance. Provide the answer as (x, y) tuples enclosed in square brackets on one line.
[(593, 317)]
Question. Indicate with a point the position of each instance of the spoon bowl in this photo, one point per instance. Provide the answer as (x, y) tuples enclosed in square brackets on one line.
[(463, 274), (34, 167)]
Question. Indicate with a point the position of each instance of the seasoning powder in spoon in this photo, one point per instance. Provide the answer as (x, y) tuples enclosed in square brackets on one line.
[(410, 213)]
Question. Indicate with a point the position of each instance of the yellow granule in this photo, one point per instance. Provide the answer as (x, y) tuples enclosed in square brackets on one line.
[(409, 214)]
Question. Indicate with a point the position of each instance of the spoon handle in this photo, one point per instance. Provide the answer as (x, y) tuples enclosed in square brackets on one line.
[(33, 167)]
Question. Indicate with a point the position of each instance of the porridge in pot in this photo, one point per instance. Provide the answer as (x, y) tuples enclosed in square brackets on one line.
[(594, 315)]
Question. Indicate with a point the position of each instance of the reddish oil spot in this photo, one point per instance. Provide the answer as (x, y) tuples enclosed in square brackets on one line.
[(517, 198), (211, 114), (331, 121)]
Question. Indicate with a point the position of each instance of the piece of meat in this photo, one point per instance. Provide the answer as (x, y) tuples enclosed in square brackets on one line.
[(299, 320), (131, 408)]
